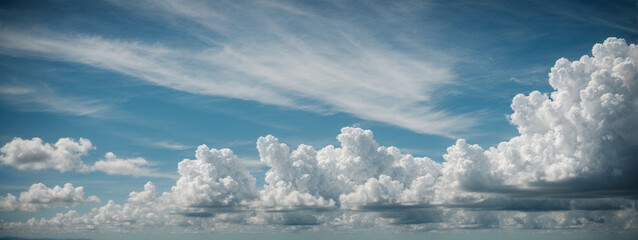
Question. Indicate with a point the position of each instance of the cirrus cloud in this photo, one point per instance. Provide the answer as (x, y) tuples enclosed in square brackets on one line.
[(569, 167), (332, 68)]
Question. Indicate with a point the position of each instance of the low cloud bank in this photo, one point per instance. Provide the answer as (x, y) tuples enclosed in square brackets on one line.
[(572, 166)]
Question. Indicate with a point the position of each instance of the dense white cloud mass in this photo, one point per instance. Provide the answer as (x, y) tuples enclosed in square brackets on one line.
[(348, 173), (585, 129), (65, 155), (32, 154), (39, 197), (579, 139), (214, 179)]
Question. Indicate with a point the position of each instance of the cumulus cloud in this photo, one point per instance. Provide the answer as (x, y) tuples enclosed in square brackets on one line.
[(117, 166), (210, 186), (280, 67), (584, 131), (570, 167), (359, 172), (39, 197), (381, 190), (215, 178), (65, 155), (33, 154)]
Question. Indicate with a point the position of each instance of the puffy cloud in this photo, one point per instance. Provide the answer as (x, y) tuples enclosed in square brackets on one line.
[(32, 154), (283, 196), (209, 188), (146, 196), (584, 131), (39, 197), (359, 172), (465, 168), (142, 208), (214, 179), (570, 167), (382, 190), (65, 155), (117, 166)]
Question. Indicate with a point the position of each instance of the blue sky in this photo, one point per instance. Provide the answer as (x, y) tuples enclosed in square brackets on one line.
[(151, 81)]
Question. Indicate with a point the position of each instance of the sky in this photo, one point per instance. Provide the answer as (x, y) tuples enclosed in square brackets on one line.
[(312, 119)]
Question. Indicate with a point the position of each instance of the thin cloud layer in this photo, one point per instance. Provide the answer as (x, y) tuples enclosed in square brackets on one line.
[(578, 140), (116, 166), (45, 99), (333, 67)]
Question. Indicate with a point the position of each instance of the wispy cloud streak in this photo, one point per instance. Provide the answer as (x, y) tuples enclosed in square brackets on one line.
[(299, 60), (41, 98)]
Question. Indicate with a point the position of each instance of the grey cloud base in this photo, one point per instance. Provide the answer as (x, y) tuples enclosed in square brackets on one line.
[(572, 166)]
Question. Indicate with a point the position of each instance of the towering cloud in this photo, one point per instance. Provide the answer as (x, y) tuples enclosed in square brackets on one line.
[(359, 172), (214, 179), (581, 137), (578, 140)]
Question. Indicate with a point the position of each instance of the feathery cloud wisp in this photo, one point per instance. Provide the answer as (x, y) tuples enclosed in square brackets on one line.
[(333, 67), (579, 139)]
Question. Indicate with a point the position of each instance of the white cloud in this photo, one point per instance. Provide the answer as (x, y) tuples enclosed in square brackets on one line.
[(117, 166), (214, 179), (45, 99), (170, 145), (359, 172), (332, 68), (65, 155), (575, 145), (33, 154), (39, 197), (383, 190), (585, 130), (284, 197)]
